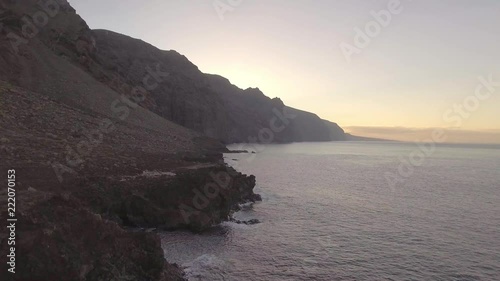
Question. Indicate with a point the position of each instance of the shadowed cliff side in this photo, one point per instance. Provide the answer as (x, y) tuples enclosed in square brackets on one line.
[(70, 57), (203, 102), (125, 176), (82, 153)]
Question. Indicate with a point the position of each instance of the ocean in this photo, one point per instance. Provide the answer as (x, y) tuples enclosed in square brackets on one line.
[(356, 211)]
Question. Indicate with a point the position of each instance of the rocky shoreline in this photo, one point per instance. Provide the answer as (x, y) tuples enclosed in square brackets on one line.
[(83, 228), (85, 234), (194, 198), (107, 133), (92, 162), (88, 231)]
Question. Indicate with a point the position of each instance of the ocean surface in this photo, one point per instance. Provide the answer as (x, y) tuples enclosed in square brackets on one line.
[(356, 211)]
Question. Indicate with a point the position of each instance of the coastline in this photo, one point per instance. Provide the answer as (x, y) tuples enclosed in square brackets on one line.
[(85, 227)]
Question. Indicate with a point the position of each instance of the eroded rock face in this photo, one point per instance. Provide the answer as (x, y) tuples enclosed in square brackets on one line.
[(195, 197), (59, 239)]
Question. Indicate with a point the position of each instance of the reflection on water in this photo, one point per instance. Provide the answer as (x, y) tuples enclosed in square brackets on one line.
[(328, 214)]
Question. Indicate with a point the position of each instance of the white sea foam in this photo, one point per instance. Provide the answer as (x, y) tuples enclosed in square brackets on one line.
[(234, 225), (205, 267)]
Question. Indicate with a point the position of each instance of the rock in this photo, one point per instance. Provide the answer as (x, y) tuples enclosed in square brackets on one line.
[(256, 197), (237, 151), (169, 202), (60, 239), (51, 136), (252, 221), (248, 222)]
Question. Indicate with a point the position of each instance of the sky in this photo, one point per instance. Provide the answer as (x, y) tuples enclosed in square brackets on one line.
[(375, 67)]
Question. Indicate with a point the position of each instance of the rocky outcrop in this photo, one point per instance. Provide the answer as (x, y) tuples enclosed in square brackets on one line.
[(59, 239), (195, 197)]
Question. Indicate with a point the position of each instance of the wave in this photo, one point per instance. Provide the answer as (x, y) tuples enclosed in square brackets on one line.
[(206, 267)]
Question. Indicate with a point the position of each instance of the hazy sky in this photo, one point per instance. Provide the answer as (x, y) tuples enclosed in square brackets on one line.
[(410, 74)]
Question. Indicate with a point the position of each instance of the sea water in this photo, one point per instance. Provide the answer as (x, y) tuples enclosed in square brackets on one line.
[(356, 211)]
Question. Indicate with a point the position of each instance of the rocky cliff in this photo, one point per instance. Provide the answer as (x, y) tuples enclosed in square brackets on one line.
[(205, 103), (163, 82), (108, 133), (90, 163), (83, 179)]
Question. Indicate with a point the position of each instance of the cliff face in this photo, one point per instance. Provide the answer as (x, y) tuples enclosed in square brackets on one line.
[(83, 152), (68, 53), (336, 132), (258, 113), (59, 239), (205, 103)]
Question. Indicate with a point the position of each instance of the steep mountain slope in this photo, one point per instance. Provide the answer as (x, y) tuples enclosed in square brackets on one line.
[(79, 182), (336, 132), (50, 63), (90, 163), (68, 53), (257, 111), (206, 103)]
